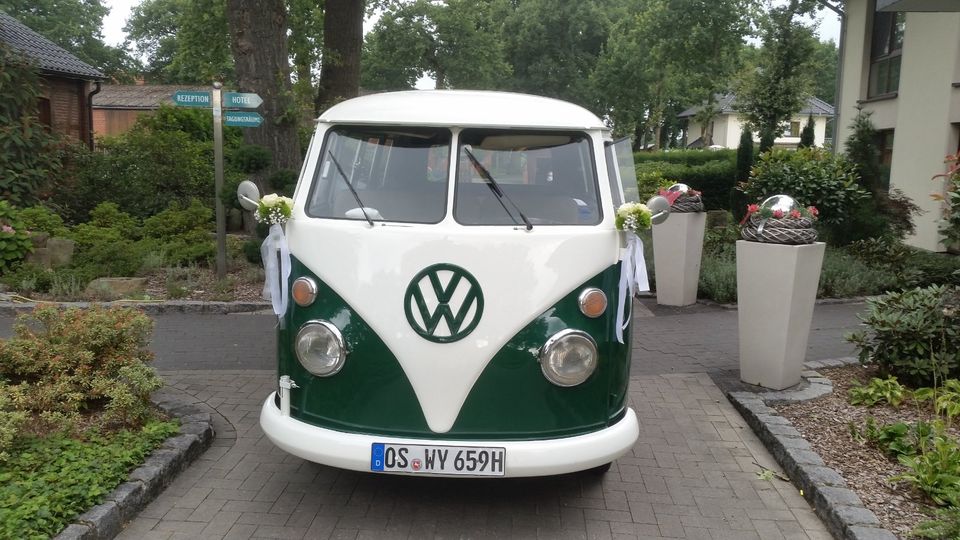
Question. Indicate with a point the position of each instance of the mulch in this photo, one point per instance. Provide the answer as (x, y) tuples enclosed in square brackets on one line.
[(827, 423)]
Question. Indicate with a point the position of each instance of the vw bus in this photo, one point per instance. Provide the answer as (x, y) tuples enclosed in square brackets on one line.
[(454, 270)]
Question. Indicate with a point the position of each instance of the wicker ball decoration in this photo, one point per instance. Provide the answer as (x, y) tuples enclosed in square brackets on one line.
[(792, 231), (686, 202)]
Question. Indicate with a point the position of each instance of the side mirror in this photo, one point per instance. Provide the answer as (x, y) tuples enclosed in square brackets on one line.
[(249, 195), (660, 208)]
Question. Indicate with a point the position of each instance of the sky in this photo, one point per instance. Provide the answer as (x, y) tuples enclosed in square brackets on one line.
[(120, 10)]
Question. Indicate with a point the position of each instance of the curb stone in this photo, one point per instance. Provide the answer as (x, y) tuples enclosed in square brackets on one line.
[(12, 309), (839, 507), (819, 302), (105, 521)]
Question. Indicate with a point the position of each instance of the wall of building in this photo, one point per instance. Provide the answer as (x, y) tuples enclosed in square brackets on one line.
[(924, 112), (109, 122), (68, 106), (728, 128)]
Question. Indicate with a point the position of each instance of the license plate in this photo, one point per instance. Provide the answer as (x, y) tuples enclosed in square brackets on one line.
[(424, 459)]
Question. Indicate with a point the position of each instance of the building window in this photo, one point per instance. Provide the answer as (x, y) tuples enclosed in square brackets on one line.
[(885, 52), (793, 130), (43, 112)]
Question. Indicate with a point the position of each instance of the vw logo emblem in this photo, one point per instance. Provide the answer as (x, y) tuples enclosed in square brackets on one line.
[(443, 303)]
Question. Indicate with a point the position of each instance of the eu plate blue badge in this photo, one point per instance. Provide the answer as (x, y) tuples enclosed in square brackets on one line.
[(376, 457)]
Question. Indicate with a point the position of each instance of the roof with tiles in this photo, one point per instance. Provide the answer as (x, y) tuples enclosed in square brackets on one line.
[(144, 96), (50, 57), (727, 104)]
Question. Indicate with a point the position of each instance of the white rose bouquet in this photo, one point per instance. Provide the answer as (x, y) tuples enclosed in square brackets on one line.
[(633, 217), (274, 209)]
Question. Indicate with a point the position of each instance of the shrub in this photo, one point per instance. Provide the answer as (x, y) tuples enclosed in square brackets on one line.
[(28, 278), (250, 158), (950, 221), (811, 176), (843, 276), (75, 360), (42, 219), (744, 155), (718, 276), (684, 157), (51, 480), (14, 237), (182, 233), (28, 152), (878, 390), (10, 422), (714, 178), (913, 335), (283, 181), (143, 171)]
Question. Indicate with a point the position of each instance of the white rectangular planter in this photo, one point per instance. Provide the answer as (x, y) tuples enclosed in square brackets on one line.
[(776, 291), (677, 249)]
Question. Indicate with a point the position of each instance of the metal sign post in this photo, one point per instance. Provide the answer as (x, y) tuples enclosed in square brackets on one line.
[(218, 181), (218, 101)]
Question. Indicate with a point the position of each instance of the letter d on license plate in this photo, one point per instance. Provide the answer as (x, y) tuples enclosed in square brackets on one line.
[(423, 459)]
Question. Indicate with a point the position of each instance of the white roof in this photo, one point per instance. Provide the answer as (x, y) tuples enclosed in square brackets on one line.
[(462, 108)]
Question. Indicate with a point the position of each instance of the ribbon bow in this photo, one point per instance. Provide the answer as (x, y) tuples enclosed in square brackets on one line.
[(633, 279), (276, 265)]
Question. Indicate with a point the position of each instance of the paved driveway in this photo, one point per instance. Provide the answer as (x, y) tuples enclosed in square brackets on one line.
[(692, 474)]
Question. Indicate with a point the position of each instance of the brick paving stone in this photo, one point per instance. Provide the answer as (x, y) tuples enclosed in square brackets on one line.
[(692, 473)]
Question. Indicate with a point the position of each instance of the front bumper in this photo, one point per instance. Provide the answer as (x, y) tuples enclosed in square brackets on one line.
[(523, 458)]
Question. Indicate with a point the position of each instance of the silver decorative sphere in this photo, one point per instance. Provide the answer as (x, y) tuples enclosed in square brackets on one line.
[(784, 203), (682, 188)]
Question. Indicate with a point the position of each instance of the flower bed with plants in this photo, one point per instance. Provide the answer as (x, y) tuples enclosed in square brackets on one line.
[(75, 414), (898, 446)]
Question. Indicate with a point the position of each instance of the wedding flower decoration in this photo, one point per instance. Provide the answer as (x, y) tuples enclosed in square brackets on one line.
[(274, 209), (633, 217), (809, 212), (672, 196)]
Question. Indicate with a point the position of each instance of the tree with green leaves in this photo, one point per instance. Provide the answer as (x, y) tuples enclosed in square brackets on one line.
[(77, 26), (342, 48), (649, 69), (745, 155), (769, 94), (807, 135), (457, 43), (258, 32), (184, 41)]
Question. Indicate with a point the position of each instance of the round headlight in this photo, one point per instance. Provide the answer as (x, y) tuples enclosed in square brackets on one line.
[(568, 358), (320, 348)]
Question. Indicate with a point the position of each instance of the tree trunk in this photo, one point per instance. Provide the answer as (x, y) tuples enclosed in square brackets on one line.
[(342, 43), (258, 40)]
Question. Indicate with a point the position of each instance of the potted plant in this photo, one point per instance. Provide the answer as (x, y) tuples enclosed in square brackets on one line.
[(678, 247)]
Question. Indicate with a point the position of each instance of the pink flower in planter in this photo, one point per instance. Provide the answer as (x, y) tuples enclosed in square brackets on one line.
[(778, 214), (795, 214), (813, 211)]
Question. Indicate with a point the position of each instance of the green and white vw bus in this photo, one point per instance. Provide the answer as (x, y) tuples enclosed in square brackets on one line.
[(454, 270)]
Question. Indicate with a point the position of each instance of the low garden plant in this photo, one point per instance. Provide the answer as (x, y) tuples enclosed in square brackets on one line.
[(75, 414)]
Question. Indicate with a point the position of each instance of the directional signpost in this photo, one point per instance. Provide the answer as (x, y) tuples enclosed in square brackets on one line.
[(242, 119), (184, 98), (219, 102)]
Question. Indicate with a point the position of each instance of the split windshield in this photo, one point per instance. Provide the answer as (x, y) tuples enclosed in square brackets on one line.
[(399, 174), (547, 176)]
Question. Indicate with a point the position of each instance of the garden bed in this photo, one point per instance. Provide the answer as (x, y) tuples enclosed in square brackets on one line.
[(828, 423)]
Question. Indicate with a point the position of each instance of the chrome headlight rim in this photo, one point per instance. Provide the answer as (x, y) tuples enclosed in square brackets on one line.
[(311, 288), (582, 301), (338, 337), (552, 342)]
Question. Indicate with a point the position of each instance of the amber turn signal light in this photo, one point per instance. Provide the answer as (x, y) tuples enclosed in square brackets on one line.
[(304, 291), (593, 302)]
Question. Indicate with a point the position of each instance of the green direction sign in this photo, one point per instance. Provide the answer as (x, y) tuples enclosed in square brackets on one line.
[(242, 119), (186, 98), (241, 100)]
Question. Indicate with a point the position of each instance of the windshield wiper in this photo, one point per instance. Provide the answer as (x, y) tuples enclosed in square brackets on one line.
[(350, 186), (495, 188)]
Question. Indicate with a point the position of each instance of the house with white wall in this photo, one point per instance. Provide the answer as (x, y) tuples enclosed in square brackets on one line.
[(900, 60), (728, 125)]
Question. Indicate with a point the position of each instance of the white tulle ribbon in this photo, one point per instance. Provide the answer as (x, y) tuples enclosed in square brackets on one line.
[(276, 265), (633, 279)]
